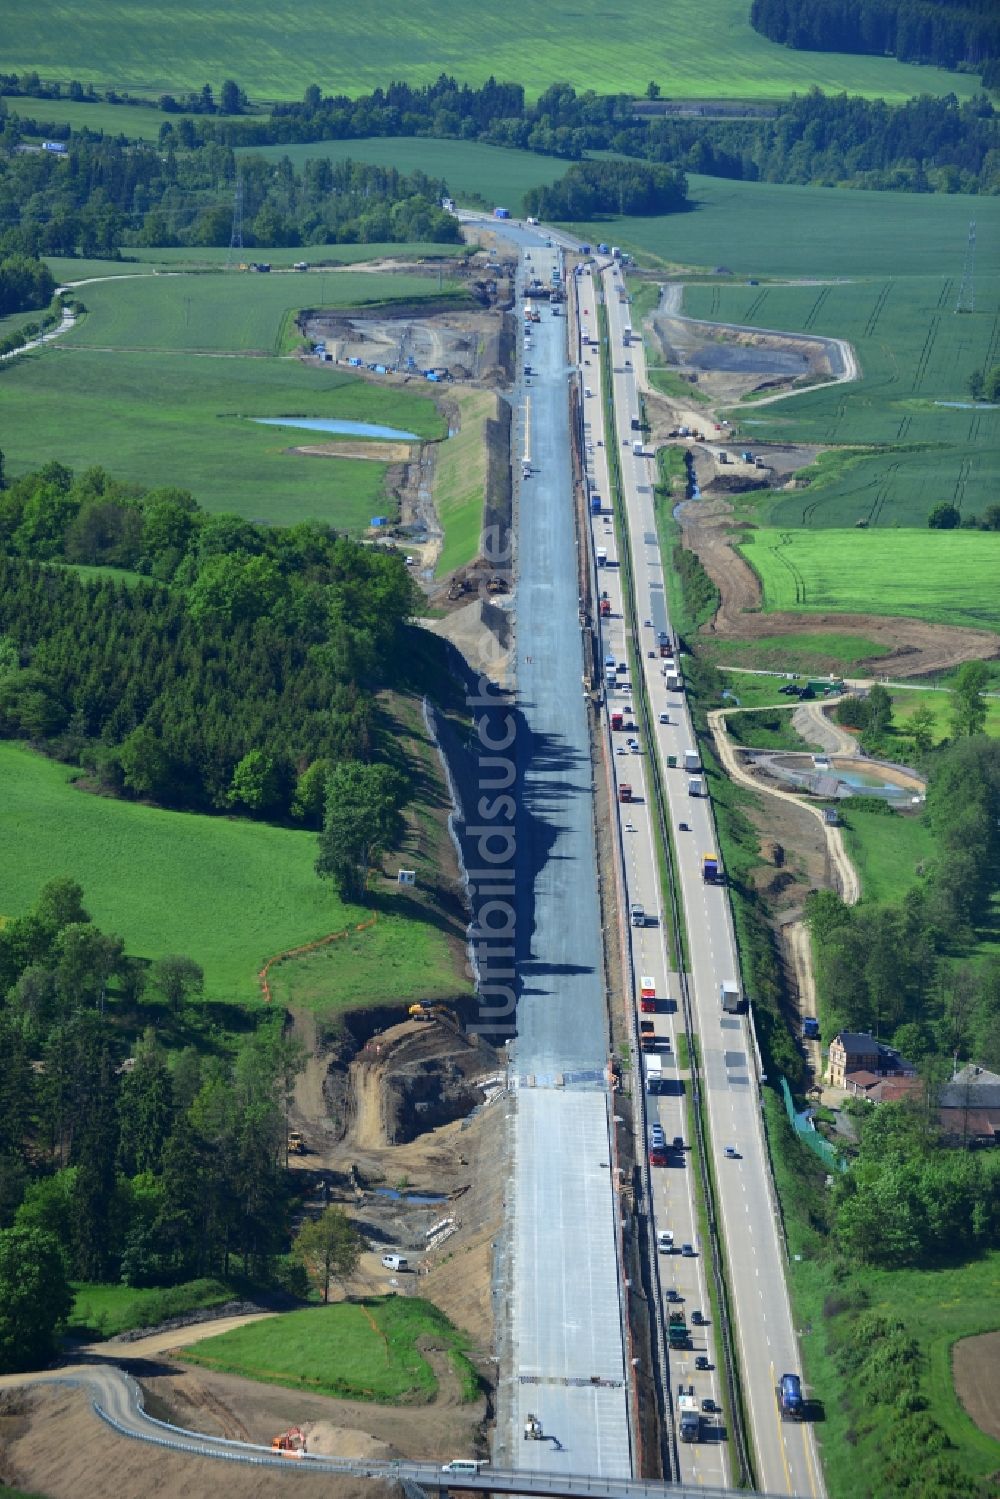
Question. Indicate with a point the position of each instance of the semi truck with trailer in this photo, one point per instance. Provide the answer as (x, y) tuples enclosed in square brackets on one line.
[(647, 994)]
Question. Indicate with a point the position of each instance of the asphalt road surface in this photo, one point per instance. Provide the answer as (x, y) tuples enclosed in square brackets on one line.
[(787, 1461), (680, 1276)]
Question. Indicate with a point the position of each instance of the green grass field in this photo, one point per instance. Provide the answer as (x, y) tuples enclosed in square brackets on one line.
[(228, 893), (705, 51), (905, 703), (460, 480), (473, 171), (136, 387), (808, 654), (946, 577), (886, 851), (779, 229), (915, 354), (105, 1310), (349, 1350)]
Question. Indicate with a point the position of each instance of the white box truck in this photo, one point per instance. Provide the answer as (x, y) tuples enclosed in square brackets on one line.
[(729, 993), (692, 760), (696, 786)]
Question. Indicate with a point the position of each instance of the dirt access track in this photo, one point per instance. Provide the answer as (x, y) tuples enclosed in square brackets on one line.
[(725, 363), (53, 1443), (913, 647)]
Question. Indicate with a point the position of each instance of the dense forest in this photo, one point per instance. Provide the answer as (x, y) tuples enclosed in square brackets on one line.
[(148, 1168), (233, 675), (597, 187), (945, 33), (104, 194), (26, 284)]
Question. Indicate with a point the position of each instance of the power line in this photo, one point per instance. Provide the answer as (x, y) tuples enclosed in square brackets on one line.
[(236, 237), (967, 291)]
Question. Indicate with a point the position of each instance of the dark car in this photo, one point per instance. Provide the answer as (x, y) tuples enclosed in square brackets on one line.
[(697, 1319), (709, 1406), (701, 1362)]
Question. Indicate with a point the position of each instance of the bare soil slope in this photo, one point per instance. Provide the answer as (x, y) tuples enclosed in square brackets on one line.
[(913, 647), (56, 1445)]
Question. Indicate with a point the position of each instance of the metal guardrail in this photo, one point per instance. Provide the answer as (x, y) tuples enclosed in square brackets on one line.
[(738, 1426)]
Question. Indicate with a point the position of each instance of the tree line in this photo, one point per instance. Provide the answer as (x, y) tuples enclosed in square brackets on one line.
[(234, 674), (923, 145), (945, 33), (105, 194)]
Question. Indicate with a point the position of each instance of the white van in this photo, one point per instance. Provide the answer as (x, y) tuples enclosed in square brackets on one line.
[(463, 1465), (395, 1262)]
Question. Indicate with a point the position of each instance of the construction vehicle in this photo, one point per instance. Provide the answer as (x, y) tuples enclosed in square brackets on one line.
[(291, 1443), (426, 1011), (690, 1416), (790, 1402), (533, 1429), (710, 869), (296, 1142), (677, 1331)]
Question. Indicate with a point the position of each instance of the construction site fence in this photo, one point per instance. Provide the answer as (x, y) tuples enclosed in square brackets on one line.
[(802, 1123)]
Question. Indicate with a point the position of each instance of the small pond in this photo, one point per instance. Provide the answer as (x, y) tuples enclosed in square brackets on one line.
[(334, 424)]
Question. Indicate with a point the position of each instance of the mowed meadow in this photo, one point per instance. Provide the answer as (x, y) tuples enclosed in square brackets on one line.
[(227, 892), (945, 577), (159, 380), (699, 48)]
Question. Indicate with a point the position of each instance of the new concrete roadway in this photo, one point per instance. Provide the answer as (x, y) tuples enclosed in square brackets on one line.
[(786, 1457), (567, 1363)]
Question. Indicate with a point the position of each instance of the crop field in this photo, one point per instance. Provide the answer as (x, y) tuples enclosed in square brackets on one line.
[(916, 355), (153, 404), (138, 121), (946, 577), (473, 171), (354, 1350), (786, 230), (276, 51), (228, 893)]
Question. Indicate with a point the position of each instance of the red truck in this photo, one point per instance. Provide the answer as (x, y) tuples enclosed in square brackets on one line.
[(647, 995), (624, 792)]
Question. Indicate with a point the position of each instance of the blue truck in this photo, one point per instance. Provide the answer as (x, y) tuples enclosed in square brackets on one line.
[(501, 213)]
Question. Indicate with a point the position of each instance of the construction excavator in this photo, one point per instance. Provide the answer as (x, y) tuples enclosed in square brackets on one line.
[(291, 1443), (427, 1011)]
